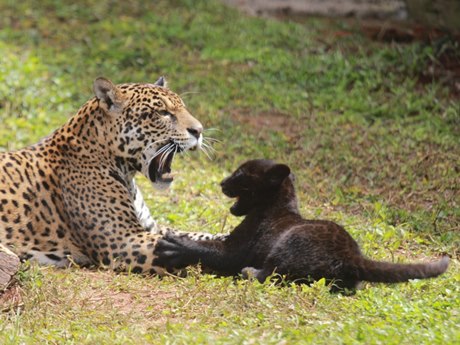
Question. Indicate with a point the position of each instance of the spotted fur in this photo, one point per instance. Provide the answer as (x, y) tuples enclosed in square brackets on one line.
[(72, 197)]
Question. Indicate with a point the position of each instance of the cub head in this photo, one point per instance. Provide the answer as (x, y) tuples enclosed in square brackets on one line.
[(255, 183), (149, 125)]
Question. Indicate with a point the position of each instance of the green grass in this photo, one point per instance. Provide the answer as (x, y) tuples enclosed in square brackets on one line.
[(371, 147)]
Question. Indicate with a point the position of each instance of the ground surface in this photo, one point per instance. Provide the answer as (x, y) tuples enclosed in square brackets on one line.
[(382, 9), (373, 145)]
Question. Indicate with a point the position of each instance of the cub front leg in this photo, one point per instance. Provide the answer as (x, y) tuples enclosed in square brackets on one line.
[(174, 251)]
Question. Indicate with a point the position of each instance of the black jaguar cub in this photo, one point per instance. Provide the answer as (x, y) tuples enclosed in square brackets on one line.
[(273, 237)]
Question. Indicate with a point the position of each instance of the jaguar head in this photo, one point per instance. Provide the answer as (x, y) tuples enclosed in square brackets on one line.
[(151, 125)]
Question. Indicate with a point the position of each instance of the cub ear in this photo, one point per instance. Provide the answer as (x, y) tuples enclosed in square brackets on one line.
[(107, 93), (161, 82), (276, 174)]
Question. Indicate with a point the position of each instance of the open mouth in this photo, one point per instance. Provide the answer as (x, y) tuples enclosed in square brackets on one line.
[(240, 207), (235, 204), (160, 166), (232, 195)]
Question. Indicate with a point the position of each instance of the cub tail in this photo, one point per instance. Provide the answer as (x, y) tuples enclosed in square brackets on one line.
[(386, 272)]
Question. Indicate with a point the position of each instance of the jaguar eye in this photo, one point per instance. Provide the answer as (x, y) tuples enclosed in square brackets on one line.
[(164, 113)]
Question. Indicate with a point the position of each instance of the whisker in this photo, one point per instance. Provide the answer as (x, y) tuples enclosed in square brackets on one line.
[(184, 152), (211, 129), (155, 142), (208, 144), (162, 160), (209, 153), (209, 147), (175, 151), (163, 149), (180, 146), (165, 155), (211, 140), (188, 93), (160, 151)]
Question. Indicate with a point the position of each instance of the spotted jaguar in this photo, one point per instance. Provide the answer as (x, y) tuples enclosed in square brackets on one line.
[(71, 198)]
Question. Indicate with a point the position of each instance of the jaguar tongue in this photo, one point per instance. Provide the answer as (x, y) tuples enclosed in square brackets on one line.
[(166, 177)]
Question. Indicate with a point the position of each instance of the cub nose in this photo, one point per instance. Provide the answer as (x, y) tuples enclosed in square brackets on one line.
[(195, 131)]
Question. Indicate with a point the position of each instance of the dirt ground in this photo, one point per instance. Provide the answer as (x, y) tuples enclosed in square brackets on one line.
[(381, 20), (380, 9)]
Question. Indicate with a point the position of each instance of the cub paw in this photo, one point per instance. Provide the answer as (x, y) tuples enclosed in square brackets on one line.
[(174, 252)]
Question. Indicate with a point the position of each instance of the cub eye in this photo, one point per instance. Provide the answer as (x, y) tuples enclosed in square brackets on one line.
[(238, 174)]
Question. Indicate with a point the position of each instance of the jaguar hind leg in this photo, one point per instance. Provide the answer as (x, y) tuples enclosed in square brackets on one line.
[(56, 258), (60, 258)]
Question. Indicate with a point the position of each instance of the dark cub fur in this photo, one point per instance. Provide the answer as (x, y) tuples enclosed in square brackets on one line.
[(273, 237)]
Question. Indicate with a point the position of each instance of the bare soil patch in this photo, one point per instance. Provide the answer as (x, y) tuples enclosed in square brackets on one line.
[(125, 296), (11, 298), (262, 123), (362, 9)]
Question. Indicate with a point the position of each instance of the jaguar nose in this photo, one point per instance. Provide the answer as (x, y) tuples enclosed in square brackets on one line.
[(195, 131)]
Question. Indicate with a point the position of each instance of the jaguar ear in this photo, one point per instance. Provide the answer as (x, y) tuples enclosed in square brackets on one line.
[(109, 95), (276, 174), (161, 82)]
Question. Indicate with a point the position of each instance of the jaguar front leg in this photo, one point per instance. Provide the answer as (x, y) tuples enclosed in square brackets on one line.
[(147, 221)]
